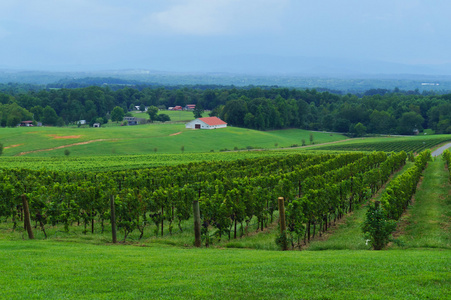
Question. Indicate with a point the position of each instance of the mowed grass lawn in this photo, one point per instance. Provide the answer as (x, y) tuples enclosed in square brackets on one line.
[(43, 269), (146, 139)]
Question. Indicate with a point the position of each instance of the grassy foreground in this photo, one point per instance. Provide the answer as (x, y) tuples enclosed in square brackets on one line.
[(52, 270)]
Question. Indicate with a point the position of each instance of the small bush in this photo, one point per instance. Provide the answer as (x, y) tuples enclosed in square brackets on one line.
[(377, 227)]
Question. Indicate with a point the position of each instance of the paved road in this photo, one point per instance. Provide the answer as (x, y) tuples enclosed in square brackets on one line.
[(440, 150)]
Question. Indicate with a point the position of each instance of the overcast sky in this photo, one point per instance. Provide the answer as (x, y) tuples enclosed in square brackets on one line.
[(174, 35)]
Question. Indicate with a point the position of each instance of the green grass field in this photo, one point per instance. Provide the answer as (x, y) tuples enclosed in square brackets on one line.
[(176, 116), (147, 139)]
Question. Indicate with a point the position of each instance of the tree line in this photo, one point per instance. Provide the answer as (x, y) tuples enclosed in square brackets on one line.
[(263, 108)]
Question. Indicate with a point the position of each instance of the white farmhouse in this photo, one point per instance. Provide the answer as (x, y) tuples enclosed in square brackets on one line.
[(206, 123)]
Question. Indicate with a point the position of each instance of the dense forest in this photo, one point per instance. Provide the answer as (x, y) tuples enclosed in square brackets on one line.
[(377, 111)]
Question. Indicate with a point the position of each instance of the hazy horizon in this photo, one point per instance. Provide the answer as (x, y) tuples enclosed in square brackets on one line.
[(234, 36)]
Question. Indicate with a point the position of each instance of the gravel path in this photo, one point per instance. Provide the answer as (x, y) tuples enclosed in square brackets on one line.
[(440, 150)]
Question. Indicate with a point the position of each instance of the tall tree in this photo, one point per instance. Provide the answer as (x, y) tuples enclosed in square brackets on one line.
[(198, 111), (152, 111), (117, 114), (409, 122), (49, 116)]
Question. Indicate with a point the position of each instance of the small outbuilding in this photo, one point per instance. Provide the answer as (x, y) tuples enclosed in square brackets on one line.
[(206, 123), (131, 120), (26, 123), (134, 120)]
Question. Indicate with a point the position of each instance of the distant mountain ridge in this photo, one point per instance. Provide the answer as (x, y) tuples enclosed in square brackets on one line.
[(272, 65), (348, 76)]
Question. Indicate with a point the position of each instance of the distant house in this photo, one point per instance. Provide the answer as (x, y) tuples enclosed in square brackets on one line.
[(134, 120), (131, 120), (190, 107), (206, 123), (178, 107), (96, 125), (138, 108), (26, 123), (82, 122)]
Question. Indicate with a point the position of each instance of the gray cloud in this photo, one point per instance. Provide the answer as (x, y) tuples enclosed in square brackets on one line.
[(143, 33), (221, 17)]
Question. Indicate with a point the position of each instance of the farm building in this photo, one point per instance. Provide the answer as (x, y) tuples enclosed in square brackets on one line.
[(26, 123), (206, 123), (134, 120), (131, 120), (190, 107)]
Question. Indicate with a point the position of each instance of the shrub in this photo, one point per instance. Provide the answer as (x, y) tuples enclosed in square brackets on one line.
[(377, 227)]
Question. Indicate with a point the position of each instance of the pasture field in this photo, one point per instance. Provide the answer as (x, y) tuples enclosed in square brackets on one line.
[(147, 139), (176, 116)]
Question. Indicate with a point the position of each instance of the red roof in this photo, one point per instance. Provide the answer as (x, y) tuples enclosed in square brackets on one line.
[(212, 121)]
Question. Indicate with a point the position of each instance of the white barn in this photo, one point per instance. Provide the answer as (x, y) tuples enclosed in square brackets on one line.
[(206, 123)]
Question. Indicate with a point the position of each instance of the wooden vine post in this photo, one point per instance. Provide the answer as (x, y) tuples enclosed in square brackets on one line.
[(113, 220), (196, 212), (27, 221), (283, 227)]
